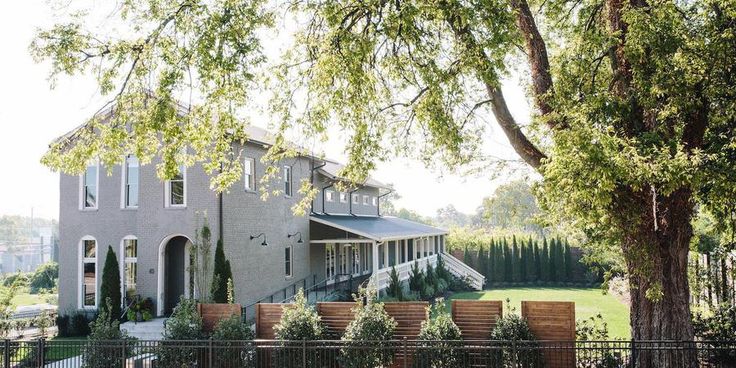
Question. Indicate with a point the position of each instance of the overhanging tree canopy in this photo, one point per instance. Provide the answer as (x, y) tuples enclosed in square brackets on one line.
[(634, 103)]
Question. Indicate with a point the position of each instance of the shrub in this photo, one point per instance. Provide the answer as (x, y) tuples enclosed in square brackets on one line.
[(79, 325), (371, 323), (185, 323), (63, 326), (44, 278), (720, 326), (99, 352), (110, 287), (441, 271), (513, 327), (221, 275), (19, 278), (416, 279), (427, 291), (460, 284), (235, 342), (440, 327), (394, 289), (299, 322), (595, 329)]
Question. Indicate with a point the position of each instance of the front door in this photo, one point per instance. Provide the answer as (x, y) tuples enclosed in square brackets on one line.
[(175, 273)]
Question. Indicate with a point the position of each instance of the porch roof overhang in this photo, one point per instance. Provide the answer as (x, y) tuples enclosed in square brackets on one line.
[(376, 228)]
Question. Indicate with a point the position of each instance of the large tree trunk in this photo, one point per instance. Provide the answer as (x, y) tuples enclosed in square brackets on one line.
[(657, 236)]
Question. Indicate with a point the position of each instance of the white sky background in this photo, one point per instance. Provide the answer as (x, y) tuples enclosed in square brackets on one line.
[(32, 114)]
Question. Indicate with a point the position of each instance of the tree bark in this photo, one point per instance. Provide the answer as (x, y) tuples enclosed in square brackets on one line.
[(656, 249)]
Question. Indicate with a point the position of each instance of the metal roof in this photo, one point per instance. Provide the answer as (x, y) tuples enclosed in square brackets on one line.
[(378, 228)]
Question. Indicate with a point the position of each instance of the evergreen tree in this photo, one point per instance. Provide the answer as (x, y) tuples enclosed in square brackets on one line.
[(537, 263), (110, 287), (522, 261), (552, 260), (515, 261), (394, 285), (507, 262), (529, 261), (499, 271), (568, 262), (544, 261), (482, 258), (467, 259), (490, 277), (220, 275)]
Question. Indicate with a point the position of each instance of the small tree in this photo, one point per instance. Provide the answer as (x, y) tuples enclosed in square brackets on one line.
[(220, 276), (442, 338), (508, 261), (110, 287), (372, 326), (235, 348), (537, 262), (185, 323), (568, 262), (299, 322), (416, 278), (514, 329), (98, 352), (394, 289), (482, 259), (515, 261), (545, 261)]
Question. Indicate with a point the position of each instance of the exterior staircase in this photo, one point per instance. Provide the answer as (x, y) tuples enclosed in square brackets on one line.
[(148, 330), (381, 278), (460, 269)]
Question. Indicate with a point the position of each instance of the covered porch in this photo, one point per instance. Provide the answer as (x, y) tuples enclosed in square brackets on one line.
[(362, 245)]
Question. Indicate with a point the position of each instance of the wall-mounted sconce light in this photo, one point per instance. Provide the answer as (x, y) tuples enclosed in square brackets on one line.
[(264, 243), (300, 241)]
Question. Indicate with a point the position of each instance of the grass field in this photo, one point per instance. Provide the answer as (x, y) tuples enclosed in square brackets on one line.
[(27, 299), (588, 302)]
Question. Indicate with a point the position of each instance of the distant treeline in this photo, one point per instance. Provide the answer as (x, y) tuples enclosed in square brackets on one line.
[(512, 261)]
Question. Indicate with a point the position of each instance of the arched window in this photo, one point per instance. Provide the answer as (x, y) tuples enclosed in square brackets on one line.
[(88, 272), (129, 266)]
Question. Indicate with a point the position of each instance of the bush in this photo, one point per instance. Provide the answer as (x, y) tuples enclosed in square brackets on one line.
[(460, 284), (79, 325), (235, 342), (440, 327), (416, 279), (19, 278), (44, 278), (595, 329), (394, 289), (371, 323), (720, 326), (299, 322), (185, 323), (513, 327), (63, 326), (99, 352)]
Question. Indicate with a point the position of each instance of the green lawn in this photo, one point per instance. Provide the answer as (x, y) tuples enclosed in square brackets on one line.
[(27, 299), (64, 347), (588, 302)]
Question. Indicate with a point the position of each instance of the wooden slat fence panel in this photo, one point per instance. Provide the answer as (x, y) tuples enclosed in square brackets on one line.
[(476, 318), (408, 317), (212, 313), (268, 315), (553, 321), (336, 316)]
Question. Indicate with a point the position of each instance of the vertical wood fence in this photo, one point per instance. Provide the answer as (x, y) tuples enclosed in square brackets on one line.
[(553, 321)]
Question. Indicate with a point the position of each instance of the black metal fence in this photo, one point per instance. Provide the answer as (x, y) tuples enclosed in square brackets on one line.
[(397, 353)]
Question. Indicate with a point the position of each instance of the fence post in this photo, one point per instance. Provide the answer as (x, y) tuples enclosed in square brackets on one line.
[(6, 354), (209, 356), (41, 355), (513, 354), (633, 353), (406, 352), (304, 353)]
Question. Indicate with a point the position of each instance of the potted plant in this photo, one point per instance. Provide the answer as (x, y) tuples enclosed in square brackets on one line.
[(140, 309)]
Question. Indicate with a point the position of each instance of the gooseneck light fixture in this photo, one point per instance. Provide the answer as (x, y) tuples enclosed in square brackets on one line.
[(300, 241), (264, 243)]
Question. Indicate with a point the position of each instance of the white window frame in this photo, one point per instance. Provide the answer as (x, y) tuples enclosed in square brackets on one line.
[(356, 198), (374, 201), (343, 197), (81, 261), (167, 190), (356, 259), (365, 199), (330, 261), (343, 263), (290, 251), (124, 184), (329, 195), (82, 194), (288, 181), (249, 180), (124, 260)]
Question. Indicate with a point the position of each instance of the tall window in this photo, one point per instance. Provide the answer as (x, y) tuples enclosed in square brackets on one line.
[(249, 169), (329, 195), (287, 261), (176, 189), (356, 259), (89, 273), (330, 261), (130, 183), (89, 187), (130, 262), (344, 260), (287, 181)]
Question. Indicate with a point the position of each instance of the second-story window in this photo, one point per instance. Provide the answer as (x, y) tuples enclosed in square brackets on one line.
[(329, 195), (365, 200), (356, 199), (89, 187), (130, 183), (249, 177), (374, 201), (287, 181), (176, 189), (343, 197)]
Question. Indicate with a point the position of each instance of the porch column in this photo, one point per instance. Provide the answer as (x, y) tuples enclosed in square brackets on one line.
[(374, 246)]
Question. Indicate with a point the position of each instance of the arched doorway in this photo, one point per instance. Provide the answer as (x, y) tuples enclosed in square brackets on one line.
[(173, 272)]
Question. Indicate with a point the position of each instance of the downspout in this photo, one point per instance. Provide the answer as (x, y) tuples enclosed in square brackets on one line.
[(219, 214), (311, 182), (379, 200)]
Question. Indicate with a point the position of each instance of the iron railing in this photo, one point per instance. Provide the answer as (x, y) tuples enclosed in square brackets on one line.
[(395, 353)]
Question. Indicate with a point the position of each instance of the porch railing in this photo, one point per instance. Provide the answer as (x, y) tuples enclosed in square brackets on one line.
[(381, 278), (460, 269), (395, 353)]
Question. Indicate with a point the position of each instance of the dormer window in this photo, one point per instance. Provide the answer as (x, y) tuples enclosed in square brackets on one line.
[(88, 188), (343, 197), (329, 195)]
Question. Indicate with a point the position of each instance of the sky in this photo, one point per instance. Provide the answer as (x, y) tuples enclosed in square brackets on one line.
[(32, 114)]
